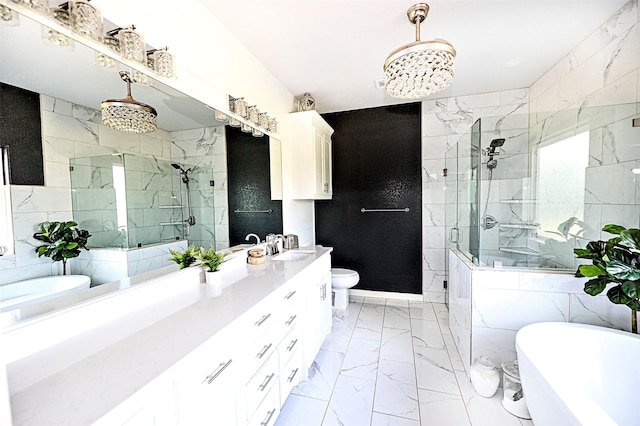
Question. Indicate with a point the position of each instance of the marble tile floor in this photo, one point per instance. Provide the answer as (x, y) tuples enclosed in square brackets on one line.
[(391, 363)]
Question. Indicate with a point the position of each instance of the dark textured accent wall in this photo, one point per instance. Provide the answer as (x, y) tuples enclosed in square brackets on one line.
[(20, 129), (250, 187), (376, 165)]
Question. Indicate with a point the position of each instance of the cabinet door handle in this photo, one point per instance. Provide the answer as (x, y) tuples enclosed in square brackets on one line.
[(264, 384), (290, 295), (293, 374), (215, 373), (291, 319), (263, 351), (291, 345), (262, 320), (266, 420)]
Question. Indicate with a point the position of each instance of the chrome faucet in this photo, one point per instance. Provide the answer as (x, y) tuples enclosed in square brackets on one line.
[(248, 237), (275, 242)]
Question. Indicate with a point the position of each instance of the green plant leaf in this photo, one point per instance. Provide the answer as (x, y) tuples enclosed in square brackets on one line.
[(613, 229), (631, 289), (622, 270), (630, 238), (591, 271), (617, 296), (596, 285)]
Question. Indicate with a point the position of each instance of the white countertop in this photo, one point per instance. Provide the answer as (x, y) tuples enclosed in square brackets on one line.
[(78, 381)]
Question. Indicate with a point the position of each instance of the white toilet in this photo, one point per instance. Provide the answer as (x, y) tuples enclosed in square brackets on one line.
[(341, 281)]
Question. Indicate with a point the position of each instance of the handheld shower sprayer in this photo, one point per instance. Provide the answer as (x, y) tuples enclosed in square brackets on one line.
[(191, 220), (491, 151)]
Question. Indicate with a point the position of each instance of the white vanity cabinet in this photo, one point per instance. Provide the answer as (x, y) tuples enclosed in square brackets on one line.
[(318, 313), (230, 360), (205, 382), (310, 142)]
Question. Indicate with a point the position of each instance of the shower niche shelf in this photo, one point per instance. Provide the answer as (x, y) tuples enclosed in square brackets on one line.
[(520, 250), (171, 207), (517, 201), (529, 226)]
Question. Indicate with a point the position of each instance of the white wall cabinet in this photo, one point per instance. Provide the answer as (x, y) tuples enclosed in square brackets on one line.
[(310, 139)]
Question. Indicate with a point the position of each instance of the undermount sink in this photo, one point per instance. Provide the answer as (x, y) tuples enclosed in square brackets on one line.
[(293, 255)]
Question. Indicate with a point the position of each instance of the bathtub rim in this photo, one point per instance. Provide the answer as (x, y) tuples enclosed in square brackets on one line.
[(83, 282), (567, 399)]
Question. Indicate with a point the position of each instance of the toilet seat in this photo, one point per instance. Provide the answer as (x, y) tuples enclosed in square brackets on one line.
[(342, 273)]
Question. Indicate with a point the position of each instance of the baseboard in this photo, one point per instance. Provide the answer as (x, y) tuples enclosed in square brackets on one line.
[(387, 295)]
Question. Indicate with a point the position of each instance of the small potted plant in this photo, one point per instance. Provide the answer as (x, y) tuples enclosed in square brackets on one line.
[(186, 258), (63, 241), (615, 261), (210, 261)]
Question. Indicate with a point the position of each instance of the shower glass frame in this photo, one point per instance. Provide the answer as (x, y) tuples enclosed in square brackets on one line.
[(552, 189), (128, 201)]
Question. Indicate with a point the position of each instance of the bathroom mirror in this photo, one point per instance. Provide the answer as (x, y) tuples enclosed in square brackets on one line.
[(70, 74)]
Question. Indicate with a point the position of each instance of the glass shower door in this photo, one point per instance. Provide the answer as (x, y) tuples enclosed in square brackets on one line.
[(451, 208)]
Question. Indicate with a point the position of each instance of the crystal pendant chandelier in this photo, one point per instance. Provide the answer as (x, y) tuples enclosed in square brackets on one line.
[(421, 68), (129, 115)]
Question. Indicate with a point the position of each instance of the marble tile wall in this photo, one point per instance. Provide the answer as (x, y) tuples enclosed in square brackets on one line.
[(69, 131), (489, 306), (206, 148), (598, 83), (444, 123), (105, 265)]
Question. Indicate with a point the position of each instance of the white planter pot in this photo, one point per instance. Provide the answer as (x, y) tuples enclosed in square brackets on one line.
[(213, 281)]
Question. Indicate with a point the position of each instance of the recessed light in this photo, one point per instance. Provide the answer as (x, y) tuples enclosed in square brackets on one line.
[(512, 63)]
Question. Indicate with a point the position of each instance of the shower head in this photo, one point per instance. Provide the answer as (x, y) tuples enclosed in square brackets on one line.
[(496, 143), (176, 166)]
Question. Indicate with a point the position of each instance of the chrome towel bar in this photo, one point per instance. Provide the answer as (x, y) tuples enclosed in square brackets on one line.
[(405, 210), (253, 211)]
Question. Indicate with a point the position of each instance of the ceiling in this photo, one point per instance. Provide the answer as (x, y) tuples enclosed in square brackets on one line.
[(335, 49)]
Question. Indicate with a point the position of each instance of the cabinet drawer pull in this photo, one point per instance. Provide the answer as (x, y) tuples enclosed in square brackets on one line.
[(293, 343), (291, 319), (215, 373), (264, 350), (262, 320), (270, 414), (264, 384), (290, 295), (293, 374)]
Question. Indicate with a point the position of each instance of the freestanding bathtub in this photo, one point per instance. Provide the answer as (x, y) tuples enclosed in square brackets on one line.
[(577, 374), (21, 293)]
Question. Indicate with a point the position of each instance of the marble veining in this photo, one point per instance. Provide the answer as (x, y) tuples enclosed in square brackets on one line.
[(401, 394)]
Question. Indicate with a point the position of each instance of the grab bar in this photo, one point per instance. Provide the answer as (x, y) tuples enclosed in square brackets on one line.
[(253, 211), (405, 210)]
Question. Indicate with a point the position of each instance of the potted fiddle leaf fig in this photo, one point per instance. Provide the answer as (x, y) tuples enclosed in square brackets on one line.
[(63, 241), (615, 263), (210, 261), (186, 258)]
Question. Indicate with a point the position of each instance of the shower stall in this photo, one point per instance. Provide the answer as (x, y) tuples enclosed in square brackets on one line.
[(523, 192), (130, 201)]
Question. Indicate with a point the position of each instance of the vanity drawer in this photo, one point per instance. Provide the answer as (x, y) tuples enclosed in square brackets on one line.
[(268, 411), (257, 353), (289, 346), (290, 376), (260, 385), (260, 323), (287, 321)]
